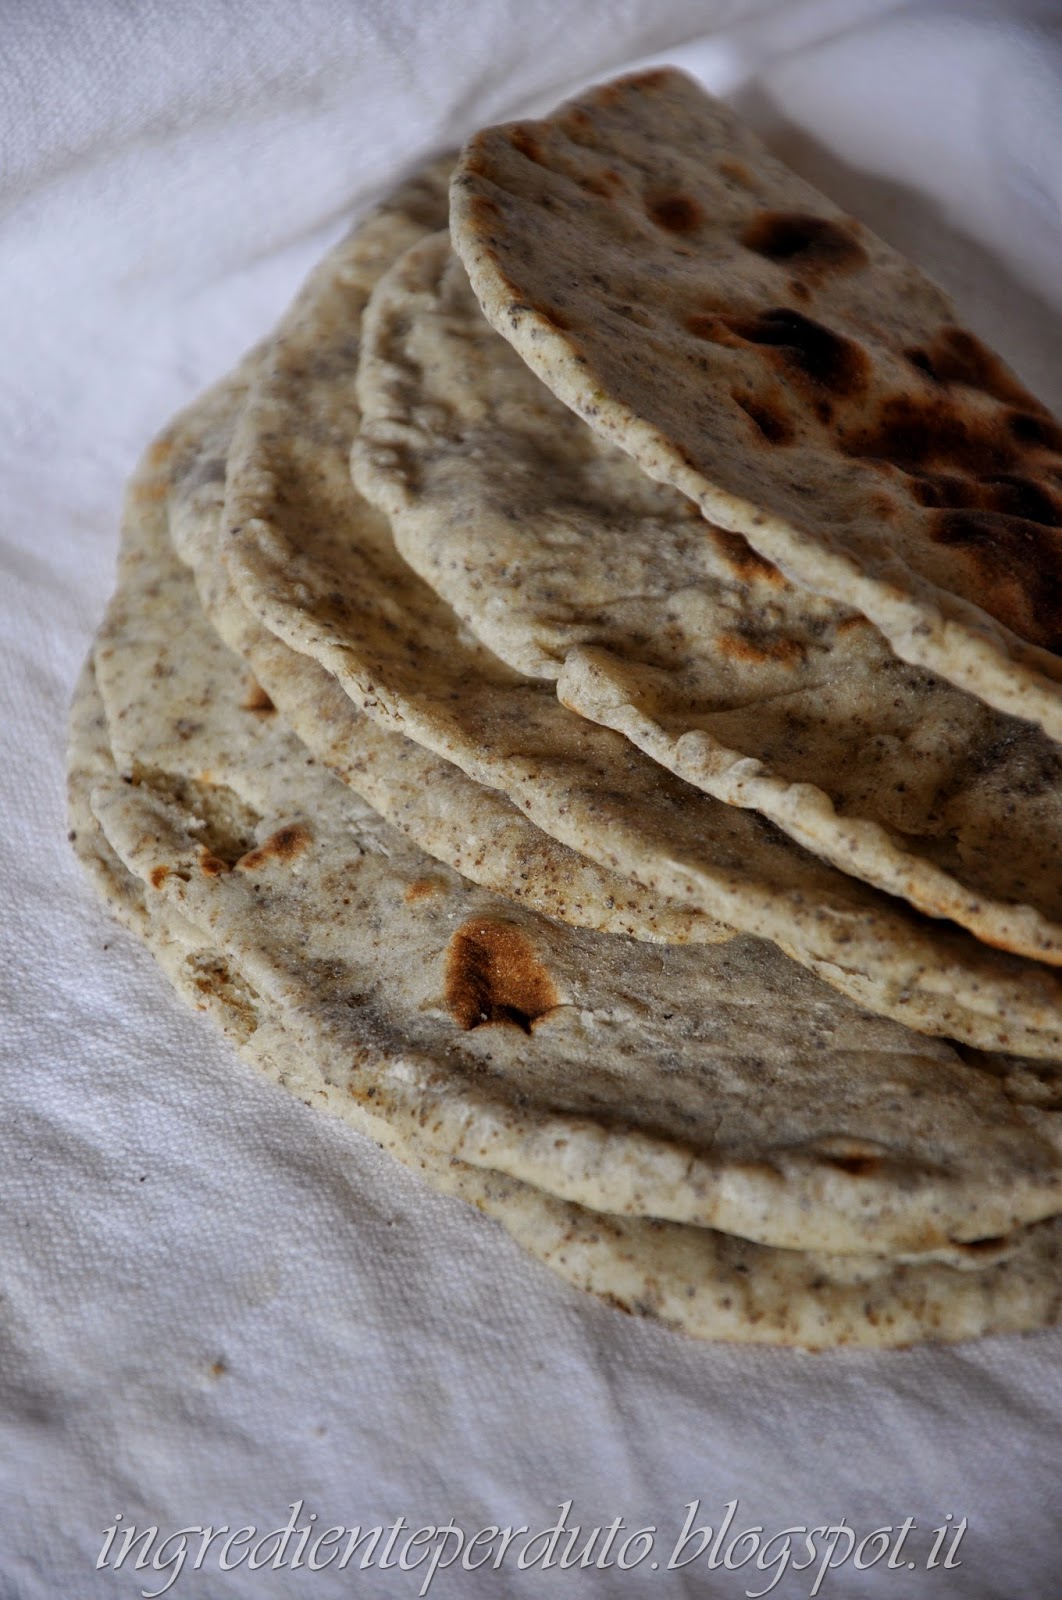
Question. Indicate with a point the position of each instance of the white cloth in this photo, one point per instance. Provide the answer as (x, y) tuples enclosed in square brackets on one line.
[(214, 1303)]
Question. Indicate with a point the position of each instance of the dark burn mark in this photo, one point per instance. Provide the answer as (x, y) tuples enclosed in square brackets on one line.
[(773, 424), (963, 462), (1032, 429), (677, 213), (493, 975), (857, 1166), (956, 356), (1016, 564), (919, 359), (550, 314), (158, 876), (914, 433), (986, 530), (1008, 492), (284, 845), (258, 700), (741, 558), (743, 647), (521, 138), (1018, 497), (823, 358), (813, 243)]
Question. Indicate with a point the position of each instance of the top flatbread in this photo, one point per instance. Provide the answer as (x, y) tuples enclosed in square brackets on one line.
[(746, 341)]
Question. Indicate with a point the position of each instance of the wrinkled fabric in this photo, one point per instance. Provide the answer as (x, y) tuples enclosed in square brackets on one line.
[(215, 1304)]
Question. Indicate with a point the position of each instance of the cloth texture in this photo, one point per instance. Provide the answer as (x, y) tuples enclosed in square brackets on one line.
[(215, 1304)]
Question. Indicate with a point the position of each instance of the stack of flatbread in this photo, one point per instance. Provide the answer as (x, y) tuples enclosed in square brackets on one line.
[(580, 703)]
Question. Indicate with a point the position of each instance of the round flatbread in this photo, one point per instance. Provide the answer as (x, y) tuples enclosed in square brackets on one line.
[(711, 313)]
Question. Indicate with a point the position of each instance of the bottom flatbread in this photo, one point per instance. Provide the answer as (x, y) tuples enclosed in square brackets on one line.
[(694, 1280)]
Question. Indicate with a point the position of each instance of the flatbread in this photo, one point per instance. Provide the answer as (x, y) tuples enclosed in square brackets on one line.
[(571, 564), (201, 975), (317, 567), (89, 759), (696, 1281), (470, 827), (722, 1086), (708, 311)]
